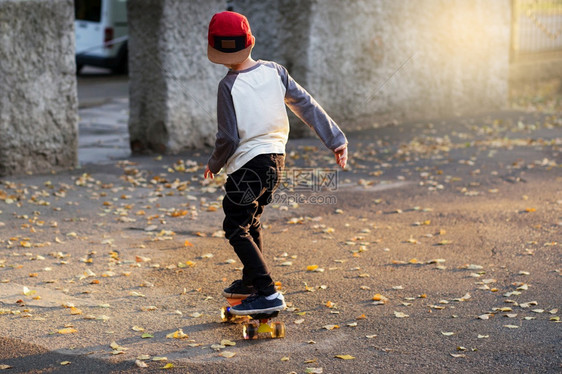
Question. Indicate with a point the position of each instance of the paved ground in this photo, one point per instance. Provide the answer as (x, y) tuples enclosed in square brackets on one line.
[(437, 251)]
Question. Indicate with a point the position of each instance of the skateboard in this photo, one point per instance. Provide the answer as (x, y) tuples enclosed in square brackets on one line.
[(254, 326)]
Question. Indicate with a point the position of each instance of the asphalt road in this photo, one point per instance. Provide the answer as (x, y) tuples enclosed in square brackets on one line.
[(438, 250), (97, 86)]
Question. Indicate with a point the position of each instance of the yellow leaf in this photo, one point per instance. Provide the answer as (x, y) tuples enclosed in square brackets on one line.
[(75, 311), (311, 267), (345, 357), (187, 243), (331, 327), (168, 366), (179, 334), (68, 330), (64, 363)]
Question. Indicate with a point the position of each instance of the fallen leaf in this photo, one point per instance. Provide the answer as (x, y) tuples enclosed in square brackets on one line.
[(179, 334), (64, 363), (140, 364), (400, 315), (314, 371), (511, 326), (117, 347), (227, 354), (68, 330), (168, 366), (330, 327), (345, 357)]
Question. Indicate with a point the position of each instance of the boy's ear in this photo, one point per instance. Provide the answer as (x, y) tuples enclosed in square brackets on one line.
[(253, 40)]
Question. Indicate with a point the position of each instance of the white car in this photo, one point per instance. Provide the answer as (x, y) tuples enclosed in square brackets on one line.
[(101, 32)]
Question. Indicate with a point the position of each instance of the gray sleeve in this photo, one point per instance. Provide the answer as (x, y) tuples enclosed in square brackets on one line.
[(227, 135), (310, 112)]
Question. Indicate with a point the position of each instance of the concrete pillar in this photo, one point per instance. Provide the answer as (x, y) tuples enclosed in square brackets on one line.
[(38, 100), (402, 59), (173, 85)]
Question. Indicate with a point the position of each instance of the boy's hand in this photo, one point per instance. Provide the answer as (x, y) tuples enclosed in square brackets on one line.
[(341, 155), (208, 173)]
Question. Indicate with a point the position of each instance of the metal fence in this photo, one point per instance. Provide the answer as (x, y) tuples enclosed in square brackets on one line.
[(536, 28)]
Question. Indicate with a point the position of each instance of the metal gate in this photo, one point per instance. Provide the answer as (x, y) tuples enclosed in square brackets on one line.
[(536, 28)]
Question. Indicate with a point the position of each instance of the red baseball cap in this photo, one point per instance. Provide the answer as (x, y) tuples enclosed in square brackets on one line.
[(230, 38)]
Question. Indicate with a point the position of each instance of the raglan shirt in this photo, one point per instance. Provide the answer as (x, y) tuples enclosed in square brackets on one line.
[(252, 118)]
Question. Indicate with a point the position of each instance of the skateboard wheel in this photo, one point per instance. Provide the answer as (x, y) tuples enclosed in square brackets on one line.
[(250, 331), (278, 330), (226, 315)]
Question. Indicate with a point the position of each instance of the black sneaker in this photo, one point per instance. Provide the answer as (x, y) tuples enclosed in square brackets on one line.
[(258, 304), (238, 290)]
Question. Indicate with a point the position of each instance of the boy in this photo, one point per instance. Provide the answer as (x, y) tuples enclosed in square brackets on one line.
[(253, 129)]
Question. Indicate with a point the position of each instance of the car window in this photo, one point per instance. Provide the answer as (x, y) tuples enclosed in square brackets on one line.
[(87, 10)]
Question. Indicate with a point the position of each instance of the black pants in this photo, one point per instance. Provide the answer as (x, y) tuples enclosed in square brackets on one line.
[(248, 190)]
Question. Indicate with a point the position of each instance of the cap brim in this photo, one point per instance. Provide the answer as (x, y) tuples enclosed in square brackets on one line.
[(224, 58)]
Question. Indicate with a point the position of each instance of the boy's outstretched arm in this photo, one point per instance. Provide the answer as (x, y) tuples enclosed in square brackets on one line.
[(310, 112)]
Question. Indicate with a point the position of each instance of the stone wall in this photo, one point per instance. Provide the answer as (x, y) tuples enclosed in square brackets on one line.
[(365, 60), (38, 101), (173, 85)]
